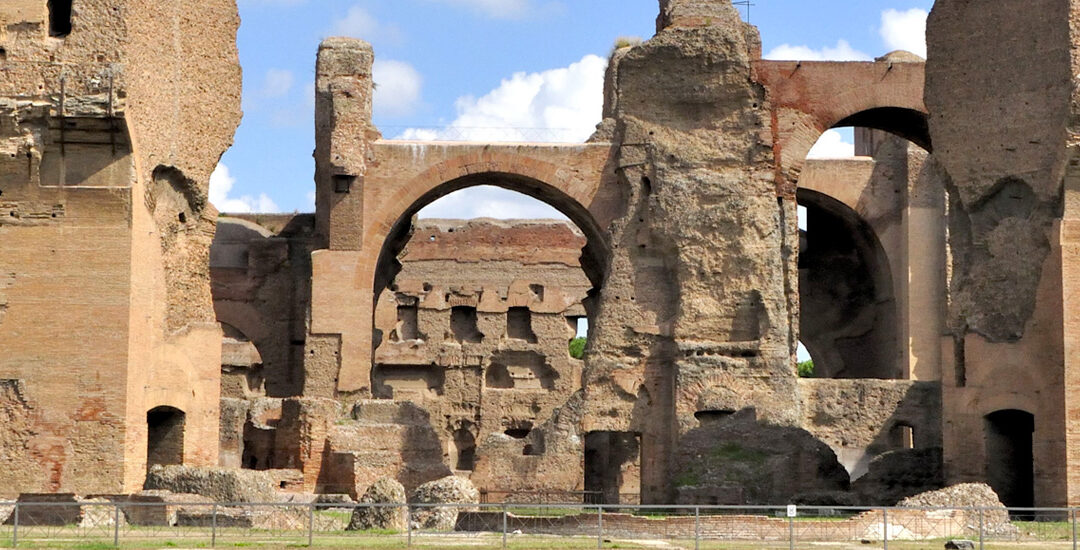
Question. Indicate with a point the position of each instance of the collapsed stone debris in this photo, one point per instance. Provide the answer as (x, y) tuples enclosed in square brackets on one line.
[(149, 342)]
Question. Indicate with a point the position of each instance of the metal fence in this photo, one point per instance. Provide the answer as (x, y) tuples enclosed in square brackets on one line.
[(141, 525)]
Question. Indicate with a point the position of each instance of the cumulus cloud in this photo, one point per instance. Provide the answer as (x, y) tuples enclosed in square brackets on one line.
[(904, 30), (831, 145), (507, 9), (489, 202), (359, 23), (567, 103), (397, 88), (843, 51), (221, 184)]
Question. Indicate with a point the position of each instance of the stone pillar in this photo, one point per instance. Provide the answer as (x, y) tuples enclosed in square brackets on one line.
[(339, 347), (695, 310)]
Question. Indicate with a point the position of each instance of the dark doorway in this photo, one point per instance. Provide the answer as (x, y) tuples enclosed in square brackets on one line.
[(59, 18), (164, 436), (1009, 458), (612, 466)]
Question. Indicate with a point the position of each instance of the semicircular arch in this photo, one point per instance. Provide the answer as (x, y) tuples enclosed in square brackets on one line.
[(536, 179)]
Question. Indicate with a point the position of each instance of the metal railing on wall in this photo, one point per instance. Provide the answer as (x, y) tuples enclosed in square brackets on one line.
[(142, 524)]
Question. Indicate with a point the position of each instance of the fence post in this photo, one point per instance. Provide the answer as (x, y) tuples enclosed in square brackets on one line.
[(885, 527), (504, 523), (213, 526), (791, 532), (982, 528), (697, 528), (600, 526), (1073, 513), (311, 524), (408, 523), (15, 531), (116, 526)]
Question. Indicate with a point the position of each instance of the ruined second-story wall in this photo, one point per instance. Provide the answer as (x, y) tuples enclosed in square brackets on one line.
[(496, 304), (473, 357)]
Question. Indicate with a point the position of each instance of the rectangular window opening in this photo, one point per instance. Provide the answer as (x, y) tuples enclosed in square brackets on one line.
[(59, 18)]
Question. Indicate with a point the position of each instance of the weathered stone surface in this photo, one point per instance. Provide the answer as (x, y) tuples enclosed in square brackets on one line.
[(448, 490), (739, 460), (158, 507), (899, 474), (995, 518), (216, 484), (106, 163), (383, 491)]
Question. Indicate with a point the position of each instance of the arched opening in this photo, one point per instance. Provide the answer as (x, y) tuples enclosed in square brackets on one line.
[(909, 124), (456, 275), (487, 301), (1010, 464), (164, 436), (847, 310), (60, 18), (463, 451)]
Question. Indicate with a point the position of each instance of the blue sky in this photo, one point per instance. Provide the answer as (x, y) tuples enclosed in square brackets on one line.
[(473, 65)]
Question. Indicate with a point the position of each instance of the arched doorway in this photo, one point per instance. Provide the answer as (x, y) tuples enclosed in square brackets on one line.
[(1009, 457), (164, 436)]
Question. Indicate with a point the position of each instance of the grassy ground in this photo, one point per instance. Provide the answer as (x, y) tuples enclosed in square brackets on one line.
[(1039, 535)]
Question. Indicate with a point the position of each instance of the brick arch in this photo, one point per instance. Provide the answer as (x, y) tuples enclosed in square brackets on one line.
[(808, 98), (547, 182)]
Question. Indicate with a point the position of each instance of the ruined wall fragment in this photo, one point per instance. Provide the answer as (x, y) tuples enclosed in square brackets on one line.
[(698, 272), (999, 90)]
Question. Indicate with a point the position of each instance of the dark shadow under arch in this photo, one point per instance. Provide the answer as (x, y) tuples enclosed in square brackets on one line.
[(848, 316), (909, 124)]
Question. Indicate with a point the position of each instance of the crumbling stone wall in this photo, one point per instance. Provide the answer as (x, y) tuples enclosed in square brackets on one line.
[(467, 399), (696, 163), (260, 269), (1003, 104), (84, 264)]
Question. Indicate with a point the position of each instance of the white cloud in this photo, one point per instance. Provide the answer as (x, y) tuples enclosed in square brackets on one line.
[(830, 145), (397, 88), (277, 83), (358, 23), (221, 183), (507, 9), (841, 52), (489, 202), (557, 105), (904, 30)]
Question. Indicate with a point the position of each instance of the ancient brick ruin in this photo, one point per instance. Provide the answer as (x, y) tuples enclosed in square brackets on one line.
[(932, 283)]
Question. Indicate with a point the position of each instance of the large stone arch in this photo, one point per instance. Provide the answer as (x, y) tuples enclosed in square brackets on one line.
[(537, 179), (368, 224)]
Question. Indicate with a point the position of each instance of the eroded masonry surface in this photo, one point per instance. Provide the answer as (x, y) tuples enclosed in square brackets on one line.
[(930, 277)]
